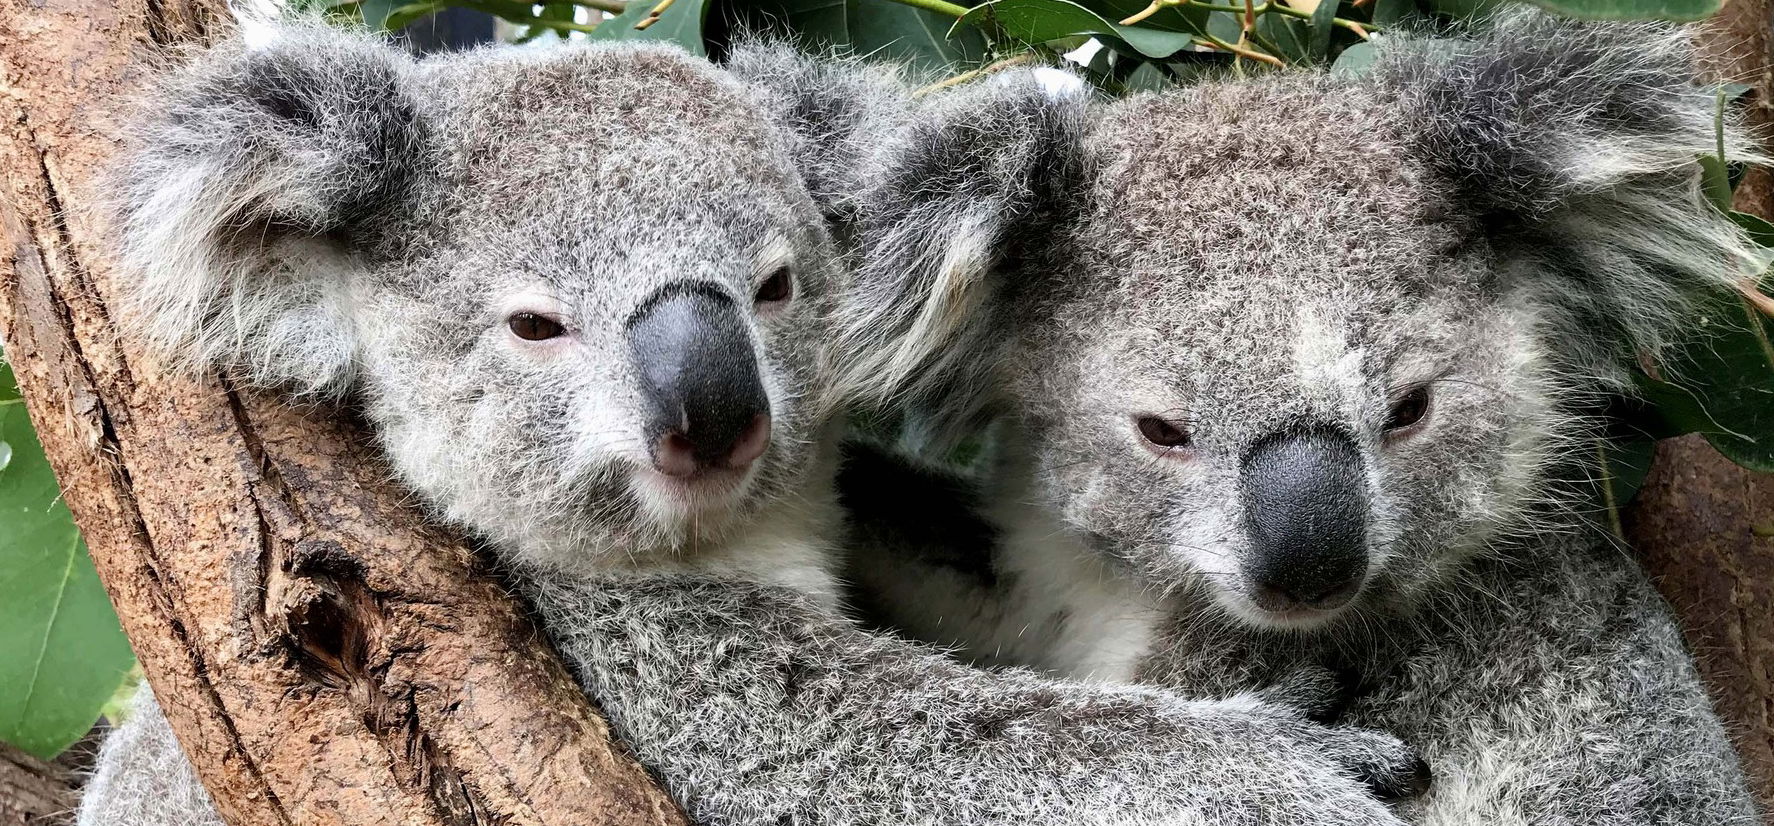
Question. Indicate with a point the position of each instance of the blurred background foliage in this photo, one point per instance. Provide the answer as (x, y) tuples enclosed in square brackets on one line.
[(63, 659)]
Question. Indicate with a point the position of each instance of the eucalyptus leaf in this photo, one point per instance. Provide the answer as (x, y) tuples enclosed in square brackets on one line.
[(918, 37), (1323, 26), (1039, 21), (1715, 181), (62, 654), (375, 13), (1621, 464), (1632, 9), (1389, 12), (403, 15), (1721, 384), (680, 23), (1355, 60), (1759, 230), (1286, 37)]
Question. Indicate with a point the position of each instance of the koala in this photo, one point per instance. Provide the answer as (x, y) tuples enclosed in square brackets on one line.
[(586, 300), (1299, 369)]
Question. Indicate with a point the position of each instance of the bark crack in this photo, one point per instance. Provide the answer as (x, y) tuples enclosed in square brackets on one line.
[(107, 442)]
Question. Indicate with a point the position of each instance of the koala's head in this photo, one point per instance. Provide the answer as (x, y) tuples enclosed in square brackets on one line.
[(581, 294), (1306, 343)]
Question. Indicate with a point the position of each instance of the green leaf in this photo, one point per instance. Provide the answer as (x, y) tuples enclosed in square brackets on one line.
[(1039, 21), (898, 32), (62, 654), (1355, 60), (1759, 231), (681, 23), (1632, 9), (376, 12), (1322, 28), (1622, 462), (1715, 181), (401, 16), (8, 386), (1285, 37), (1721, 384), (1388, 12)]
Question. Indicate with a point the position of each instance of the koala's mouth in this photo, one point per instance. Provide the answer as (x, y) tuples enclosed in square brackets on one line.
[(1297, 618), (705, 491), (1261, 606)]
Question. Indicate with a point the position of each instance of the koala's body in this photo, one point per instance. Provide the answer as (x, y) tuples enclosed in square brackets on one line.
[(584, 299), (1286, 371)]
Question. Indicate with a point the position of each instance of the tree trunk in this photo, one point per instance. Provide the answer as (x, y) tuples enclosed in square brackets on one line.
[(32, 792), (1705, 526), (324, 656)]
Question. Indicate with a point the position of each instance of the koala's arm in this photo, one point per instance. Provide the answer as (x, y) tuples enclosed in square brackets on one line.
[(758, 706), (1568, 696), (143, 778)]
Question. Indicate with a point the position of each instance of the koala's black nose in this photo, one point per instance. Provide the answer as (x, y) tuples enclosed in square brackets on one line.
[(695, 359), (1306, 512)]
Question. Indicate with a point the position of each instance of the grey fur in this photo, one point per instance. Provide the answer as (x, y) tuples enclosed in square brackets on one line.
[(328, 215), (1508, 219)]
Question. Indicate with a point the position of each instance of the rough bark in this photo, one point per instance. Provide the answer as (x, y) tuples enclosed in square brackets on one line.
[(32, 792), (1704, 525), (324, 656)]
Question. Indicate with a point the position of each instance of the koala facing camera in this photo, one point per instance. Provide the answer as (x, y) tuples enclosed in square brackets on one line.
[(1297, 370)]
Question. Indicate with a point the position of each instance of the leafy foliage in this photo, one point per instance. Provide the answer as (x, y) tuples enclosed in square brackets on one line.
[(62, 655)]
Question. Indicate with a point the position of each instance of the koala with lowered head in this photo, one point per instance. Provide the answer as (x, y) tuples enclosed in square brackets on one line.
[(1291, 370), (584, 298)]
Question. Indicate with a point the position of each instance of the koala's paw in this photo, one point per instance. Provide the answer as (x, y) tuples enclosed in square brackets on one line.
[(1389, 768), (1331, 775), (1319, 693)]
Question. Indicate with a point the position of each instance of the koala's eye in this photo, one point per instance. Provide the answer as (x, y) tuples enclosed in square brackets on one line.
[(1162, 433), (779, 287), (1409, 409), (534, 327)]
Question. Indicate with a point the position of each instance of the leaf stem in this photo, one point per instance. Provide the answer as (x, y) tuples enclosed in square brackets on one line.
[(1754, 295), (938, 6), (611, 6), (568, 25), (1216, 43), (1006, 63), (653, 16), (1282, 8), (1146, 12)]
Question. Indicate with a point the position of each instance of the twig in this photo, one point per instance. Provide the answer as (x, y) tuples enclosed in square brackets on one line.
[(1006, 63), (1753, 293), (611, 6), (938, 6), (1215, 43), (1352, 25), (653, 16), (566, 25), (1148, 11)]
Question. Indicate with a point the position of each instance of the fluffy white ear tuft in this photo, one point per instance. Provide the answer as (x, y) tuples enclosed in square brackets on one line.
[(244, 175), (1579, 145), (977, 179)]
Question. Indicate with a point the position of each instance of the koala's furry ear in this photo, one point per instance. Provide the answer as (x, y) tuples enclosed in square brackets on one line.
[(977, 185), (835, 111), (1578, 144), (245, 172)]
